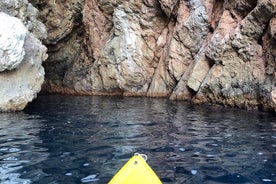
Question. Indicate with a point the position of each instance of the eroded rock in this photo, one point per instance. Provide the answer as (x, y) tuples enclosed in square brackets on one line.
[(22, 53), (12, 38), (205, 51)]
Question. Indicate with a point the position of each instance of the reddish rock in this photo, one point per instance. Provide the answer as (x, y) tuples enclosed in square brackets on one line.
[(210, 51), (273, 96)]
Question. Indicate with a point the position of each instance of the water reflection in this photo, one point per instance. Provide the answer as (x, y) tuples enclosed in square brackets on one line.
[(86, 140), (18, 139)]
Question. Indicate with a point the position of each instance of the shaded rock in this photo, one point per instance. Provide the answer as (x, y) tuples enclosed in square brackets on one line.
[(59, 17), (119, 49), (272, 27), (168, 6), (63, 20)]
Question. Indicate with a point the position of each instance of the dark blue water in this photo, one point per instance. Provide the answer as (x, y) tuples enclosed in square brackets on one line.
[(72, 140)]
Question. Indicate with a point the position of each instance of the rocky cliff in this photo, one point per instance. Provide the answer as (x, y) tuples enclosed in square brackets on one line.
[(21, 54), (206, 51)]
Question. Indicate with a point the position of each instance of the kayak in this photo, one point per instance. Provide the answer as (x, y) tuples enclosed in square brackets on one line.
[(136, 171)]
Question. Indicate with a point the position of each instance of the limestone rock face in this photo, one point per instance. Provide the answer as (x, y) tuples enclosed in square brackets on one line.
[(21, 53), (238, 70), (27, 13), (205, 51)]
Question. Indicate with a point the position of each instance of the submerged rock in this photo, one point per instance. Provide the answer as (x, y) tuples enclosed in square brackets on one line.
[(21, 56)]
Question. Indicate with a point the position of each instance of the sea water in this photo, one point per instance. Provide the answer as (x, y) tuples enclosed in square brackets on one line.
[(71, 140)]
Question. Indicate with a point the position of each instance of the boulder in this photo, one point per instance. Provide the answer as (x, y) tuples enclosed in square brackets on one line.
[(12, 38), (21, 53)]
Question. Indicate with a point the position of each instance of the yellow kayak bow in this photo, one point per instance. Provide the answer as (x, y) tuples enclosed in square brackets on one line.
[(135, 171)]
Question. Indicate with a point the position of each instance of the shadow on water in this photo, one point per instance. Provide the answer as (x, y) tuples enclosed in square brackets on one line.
[(61, 139)]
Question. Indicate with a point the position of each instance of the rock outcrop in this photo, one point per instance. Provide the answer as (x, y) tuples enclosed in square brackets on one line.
[(21, 54), (206, 51)]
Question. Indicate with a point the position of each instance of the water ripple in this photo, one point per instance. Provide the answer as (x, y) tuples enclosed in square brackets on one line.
[(87, 139)]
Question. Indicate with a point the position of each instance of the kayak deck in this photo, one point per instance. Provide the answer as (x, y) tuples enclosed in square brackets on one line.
[(135, 171)]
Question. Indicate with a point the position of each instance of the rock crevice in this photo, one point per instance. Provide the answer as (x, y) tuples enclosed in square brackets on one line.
[(213, 51)]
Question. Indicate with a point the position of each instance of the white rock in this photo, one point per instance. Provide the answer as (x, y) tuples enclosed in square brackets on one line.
[(12, 37), (21, 71)]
